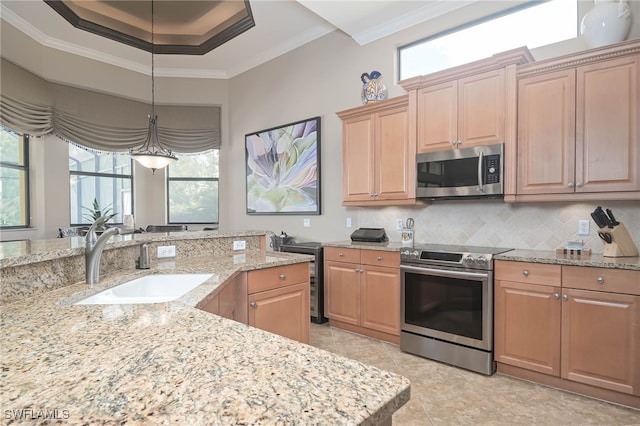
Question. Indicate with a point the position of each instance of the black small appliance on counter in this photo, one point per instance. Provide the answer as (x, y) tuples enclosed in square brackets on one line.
[(369, 235)]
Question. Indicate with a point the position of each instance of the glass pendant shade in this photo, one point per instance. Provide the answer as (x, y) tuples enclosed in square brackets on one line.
[(152, 154)]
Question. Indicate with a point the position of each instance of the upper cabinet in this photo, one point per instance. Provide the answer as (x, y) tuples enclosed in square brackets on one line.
[(462, 113), (378, 153), (578, 121)]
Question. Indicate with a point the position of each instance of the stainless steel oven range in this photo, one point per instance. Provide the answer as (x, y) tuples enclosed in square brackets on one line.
[(447, 304)]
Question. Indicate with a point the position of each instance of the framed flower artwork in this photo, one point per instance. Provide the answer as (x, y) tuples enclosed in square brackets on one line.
[(283, 169)]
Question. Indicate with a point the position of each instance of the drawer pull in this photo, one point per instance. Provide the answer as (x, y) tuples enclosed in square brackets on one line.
[(600, 280), (254, 305), (341, 254), (556, 296), (283, 277), (379, 257), (565, 297), (525, 273)]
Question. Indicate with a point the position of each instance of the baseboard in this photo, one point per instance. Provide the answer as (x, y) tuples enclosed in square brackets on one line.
[(630, 401)]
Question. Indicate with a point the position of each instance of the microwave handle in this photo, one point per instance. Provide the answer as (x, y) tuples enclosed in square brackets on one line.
[(480, 164)]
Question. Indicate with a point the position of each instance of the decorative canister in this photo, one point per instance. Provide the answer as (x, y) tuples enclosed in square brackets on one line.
[(608, 22), (373, 90)]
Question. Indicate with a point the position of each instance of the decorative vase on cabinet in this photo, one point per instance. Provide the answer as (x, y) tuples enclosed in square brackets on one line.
[(608, 22), (373, 90)]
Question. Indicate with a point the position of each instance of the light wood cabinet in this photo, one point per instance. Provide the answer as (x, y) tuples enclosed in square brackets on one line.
[(278, 300), (231, 301), (463, 113), (527, 316), (362, 291), (379, 153), (580, 325), (578, 131)]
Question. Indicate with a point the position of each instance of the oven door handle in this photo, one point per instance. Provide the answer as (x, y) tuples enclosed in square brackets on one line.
[(443, 273)]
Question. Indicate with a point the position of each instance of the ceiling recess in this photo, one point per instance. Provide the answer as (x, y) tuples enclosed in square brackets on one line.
[(181, 27)]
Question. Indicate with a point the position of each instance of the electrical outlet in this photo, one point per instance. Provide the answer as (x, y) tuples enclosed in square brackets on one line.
[(166, 251), (348, 222), (306, 222), (239, 245), (583, 227), (399, 224)]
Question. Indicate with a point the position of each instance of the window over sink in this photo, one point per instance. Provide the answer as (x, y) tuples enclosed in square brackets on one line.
[(103, 176), (192, 188)]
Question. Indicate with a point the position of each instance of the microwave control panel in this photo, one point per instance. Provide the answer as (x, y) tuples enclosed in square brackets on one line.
[(492, 169)]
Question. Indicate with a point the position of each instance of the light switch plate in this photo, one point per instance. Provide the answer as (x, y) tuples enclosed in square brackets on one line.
[(306, 222), (348, 222), (399, 224), (239, 245)]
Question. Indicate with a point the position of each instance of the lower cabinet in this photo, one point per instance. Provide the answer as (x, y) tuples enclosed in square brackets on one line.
[(272, 299), (279, 300), (362, 291), (578, 324)]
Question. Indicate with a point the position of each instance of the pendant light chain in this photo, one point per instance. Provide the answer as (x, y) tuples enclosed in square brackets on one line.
[(153, 91)]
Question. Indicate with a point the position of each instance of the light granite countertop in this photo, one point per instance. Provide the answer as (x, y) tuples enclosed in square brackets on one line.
[(535, 256), (550, 256), (173, 363)]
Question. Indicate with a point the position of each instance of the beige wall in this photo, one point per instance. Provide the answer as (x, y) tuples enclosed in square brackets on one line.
[(317, 79)]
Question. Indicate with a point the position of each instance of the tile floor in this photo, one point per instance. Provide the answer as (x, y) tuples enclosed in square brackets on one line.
[(446, 395)]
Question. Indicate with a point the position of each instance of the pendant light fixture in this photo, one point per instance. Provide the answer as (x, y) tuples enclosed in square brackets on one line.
[(152, 154)]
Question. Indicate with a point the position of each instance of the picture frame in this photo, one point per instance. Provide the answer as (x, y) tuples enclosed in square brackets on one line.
[(283, 169)]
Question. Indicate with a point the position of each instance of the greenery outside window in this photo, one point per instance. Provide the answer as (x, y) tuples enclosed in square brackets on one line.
[(104, 176), (14, 180), (534, 24), (192, 189)]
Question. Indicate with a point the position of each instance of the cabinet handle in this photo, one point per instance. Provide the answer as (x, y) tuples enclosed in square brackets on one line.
[(570, 184), (579, 185), (525, 273), (565, 297), (283, 277), (379, 258), (556, 296), (375, 194), (600, 280), (341, 254), (254, 305)]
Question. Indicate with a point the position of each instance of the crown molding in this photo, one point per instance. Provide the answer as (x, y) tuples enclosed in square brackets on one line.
[(423, 14)]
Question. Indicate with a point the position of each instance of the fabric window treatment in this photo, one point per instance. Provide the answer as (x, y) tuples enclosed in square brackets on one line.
[(100, 121)]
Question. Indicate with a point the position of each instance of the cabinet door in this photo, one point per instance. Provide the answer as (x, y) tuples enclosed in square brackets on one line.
[(342, 292), (437, 117), (481, 109), (380, 299), (608, 113), (546, 133), (527, 326), (395, 155), (283, 311), (358, 179), (601, 340)]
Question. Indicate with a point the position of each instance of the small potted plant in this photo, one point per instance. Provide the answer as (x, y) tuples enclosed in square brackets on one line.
[(95, 212)]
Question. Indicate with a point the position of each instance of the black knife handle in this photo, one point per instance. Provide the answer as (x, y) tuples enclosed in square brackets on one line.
[(614, 222)]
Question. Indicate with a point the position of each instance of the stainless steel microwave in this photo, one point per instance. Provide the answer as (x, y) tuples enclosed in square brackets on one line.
[(475, 172)]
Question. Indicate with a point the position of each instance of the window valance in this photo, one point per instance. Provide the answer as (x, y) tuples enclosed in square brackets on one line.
[(100, 121)]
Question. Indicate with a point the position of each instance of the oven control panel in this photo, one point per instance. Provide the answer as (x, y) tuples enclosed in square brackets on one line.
[(432, 257)]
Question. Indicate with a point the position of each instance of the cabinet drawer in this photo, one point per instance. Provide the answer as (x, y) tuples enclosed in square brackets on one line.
[(524, 272), (276, 277), (601, 279), (380, 258), (342, 254)]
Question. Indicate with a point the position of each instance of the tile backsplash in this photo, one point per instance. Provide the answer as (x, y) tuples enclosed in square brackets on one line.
[(534, 226)]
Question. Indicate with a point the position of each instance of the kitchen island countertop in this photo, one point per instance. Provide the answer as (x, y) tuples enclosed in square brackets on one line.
[(173, 363)]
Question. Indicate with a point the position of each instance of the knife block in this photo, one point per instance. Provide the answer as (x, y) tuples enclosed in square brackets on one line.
[(621, 243)]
